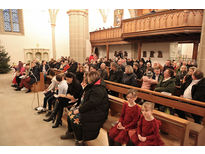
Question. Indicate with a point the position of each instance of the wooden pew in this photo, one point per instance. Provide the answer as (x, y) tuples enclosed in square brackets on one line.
[(39, 86), (57, 71), (174, 126), (187, 105)]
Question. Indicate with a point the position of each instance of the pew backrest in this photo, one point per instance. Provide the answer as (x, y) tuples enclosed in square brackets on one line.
[(187, 105), (174, 126)]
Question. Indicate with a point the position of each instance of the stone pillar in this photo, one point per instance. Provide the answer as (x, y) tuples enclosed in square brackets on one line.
[(53, 13), (78, 31), (201, 54)]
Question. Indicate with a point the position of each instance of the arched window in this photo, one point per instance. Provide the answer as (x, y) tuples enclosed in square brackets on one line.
[(11, 21)]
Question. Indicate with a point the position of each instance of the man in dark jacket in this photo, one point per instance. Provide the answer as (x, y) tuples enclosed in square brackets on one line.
[(167, 84), (103, 71), (137, 71), (44, 68), (196, 90), (116, 73)]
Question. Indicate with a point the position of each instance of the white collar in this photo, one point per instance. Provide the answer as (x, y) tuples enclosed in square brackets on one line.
[(166, 79)]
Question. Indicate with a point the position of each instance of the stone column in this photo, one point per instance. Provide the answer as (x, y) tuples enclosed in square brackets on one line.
[(201, 54), (53, 13), (78, 31)]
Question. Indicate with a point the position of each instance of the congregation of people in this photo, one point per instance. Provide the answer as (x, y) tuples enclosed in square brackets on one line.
[(81, 89)]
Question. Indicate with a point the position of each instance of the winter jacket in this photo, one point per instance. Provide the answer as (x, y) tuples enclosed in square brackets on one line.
[(129, 79), (94, 109), (116, 76), (166, 86)]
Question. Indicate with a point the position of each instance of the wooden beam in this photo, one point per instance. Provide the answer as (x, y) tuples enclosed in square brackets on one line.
[(195, 50), (139, 48), (107, 49)]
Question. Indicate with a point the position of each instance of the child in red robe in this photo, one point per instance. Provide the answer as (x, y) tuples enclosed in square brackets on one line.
[(130, 115), (147, 133)]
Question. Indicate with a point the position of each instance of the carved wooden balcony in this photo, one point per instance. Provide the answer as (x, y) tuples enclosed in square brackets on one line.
[(165, 22), (180, 24), (111, 34)]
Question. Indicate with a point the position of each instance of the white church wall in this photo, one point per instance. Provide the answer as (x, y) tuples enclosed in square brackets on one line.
[(37, 33), (164, 47), (125, 47), (96, 19), (187, 50), (112, 49), (102, 51), (62, 34)]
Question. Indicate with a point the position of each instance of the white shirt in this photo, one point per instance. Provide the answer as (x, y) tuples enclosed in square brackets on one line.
[(156, 77), (53, 85), (62, 87), (44, 69), (187, 92)]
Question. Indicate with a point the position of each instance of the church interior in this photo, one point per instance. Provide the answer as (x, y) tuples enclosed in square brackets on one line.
[(103, 42)]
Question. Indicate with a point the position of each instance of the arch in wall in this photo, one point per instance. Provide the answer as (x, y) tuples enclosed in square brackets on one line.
[(38, 56), (45, 56), (29, 56)]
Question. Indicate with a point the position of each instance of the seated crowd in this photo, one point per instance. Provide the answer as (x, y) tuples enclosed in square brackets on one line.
[(81, 89)]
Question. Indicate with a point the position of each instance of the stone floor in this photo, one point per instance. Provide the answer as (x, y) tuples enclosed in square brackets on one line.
[(20, 125)]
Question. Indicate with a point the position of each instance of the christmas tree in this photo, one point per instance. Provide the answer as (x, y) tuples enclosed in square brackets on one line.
[(4, 59)]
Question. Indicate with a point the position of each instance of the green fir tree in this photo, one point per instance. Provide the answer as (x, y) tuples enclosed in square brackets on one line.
[(4, 60)]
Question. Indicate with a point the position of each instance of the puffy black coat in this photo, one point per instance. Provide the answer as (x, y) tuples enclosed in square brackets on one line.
[(129, 79), (116, 76), (94, 110)]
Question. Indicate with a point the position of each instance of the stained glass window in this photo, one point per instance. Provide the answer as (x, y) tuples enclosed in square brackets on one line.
[(11, 20), (7, 20)]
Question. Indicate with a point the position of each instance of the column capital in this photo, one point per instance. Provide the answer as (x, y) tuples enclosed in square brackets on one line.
[(77, 11)]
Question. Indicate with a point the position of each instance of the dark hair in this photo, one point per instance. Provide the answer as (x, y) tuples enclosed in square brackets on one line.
[(70, 75), (132, 91), (59, 77), (198, 74), (52, 73), (171, 72), (93, 66), (136, 65)]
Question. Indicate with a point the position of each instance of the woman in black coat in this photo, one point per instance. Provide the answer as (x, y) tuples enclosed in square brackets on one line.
[(129, 78), (93, 109), (73, 95)]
